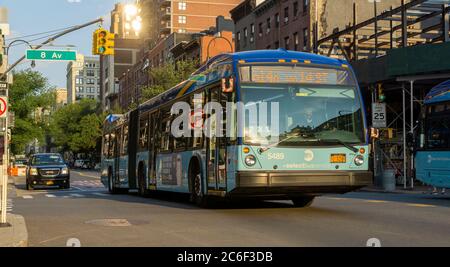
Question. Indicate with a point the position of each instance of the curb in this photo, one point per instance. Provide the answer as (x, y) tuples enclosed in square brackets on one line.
[(17, 233)]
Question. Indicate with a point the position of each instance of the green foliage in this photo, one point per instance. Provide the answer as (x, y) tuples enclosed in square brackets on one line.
[(28, 94), (166, 77), (77, 127)]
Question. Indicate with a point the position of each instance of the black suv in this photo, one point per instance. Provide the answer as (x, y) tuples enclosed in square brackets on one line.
[(47, 170)]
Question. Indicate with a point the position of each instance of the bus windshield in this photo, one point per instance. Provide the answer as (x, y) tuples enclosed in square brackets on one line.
[(438, 126), (309, 114)]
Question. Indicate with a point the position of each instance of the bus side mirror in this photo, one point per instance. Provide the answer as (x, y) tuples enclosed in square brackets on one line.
[(228, 85)]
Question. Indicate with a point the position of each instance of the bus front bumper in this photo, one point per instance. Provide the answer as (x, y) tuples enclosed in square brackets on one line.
[(300, 183)]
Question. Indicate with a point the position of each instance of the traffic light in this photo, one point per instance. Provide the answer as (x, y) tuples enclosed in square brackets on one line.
[(103, 42)]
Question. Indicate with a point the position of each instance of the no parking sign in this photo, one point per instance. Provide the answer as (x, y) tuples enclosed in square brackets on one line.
[(3, 107)]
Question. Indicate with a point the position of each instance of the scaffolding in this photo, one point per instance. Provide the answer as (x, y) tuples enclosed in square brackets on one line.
[(418, 22)]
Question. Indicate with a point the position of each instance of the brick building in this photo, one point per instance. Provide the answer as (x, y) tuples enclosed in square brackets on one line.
[(292, 24), (191, 16)]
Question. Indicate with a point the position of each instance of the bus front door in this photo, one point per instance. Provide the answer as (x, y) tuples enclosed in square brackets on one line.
[(216, 161)]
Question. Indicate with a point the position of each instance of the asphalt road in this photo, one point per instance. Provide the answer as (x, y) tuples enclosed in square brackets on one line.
[(95, 218)]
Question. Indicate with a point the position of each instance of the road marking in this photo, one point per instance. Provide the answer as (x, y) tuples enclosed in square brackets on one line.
[(85, 175), (376, 201), (336, 198), (27, 197), (77, 188), (50, 196), (421, 205), (76, 195)]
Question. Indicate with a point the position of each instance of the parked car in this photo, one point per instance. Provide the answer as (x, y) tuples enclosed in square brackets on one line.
[(83, 164), (47, 170)]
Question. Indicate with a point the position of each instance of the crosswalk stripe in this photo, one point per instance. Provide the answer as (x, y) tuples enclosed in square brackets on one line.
[(50, 196), (27, 197)]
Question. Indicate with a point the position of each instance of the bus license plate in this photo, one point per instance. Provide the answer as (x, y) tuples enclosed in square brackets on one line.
[(338, 158)]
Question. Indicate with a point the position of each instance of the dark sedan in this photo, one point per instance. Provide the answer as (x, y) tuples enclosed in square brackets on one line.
[(47, 170)]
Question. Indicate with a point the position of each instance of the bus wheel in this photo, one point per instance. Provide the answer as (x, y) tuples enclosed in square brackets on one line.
[(141, 181), (197, 195), (111, 187), (303, 202)]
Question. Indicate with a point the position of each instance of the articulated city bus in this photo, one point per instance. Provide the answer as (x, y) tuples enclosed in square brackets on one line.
[(315, 143), (433, 155)]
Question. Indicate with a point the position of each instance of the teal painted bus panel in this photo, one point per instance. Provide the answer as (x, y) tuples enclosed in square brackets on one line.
[(433, 168)]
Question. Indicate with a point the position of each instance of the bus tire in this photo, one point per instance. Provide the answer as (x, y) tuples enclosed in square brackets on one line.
[(303, 202), (196, 181), (111, 187), (141, 181)]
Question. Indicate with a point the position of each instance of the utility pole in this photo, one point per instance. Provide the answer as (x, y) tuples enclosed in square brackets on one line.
[(4, 29)]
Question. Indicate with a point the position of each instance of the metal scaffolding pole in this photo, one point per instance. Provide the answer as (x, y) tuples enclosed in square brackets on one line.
[(412, 128), (404, 137)]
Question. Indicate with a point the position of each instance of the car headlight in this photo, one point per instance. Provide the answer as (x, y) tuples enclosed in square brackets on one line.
[(359, 160), (65, 171), (250, 160), (33, 171)]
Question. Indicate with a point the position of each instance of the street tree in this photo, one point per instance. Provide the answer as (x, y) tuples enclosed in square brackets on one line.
[(31, 97)]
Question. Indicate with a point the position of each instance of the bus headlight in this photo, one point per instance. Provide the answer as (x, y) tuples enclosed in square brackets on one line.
[(359, 160), (250, 160)]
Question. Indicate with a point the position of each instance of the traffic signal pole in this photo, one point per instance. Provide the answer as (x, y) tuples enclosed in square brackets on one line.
[(51, 39)]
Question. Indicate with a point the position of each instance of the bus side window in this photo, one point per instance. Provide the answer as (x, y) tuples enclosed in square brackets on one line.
[(143, 133), (125, 140), (197, 104), (165, 138), (105, 149)]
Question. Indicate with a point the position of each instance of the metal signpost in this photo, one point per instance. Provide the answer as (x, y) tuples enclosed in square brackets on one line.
[(4, 158)]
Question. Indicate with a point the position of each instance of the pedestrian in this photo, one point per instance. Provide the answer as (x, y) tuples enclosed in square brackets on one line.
[(436, 191)]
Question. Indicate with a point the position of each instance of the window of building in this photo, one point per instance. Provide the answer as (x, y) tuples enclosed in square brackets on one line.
[(305, 5), (305, 38), (90, 81), (277, 20), (182, 19), (296, 41), (182, 5), (239, 36), (252, 33), (295, 9), (181, 30), (269, 25), (79, 89), (286, 43), (79, 80), (286, 15), (90, 73), (260, 30)]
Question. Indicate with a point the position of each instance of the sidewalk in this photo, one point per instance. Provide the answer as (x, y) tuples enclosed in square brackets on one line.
[(400, 190), (16, 235)]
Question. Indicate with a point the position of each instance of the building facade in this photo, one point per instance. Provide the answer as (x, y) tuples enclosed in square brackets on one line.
[(61, 97), (83, 79), (297, 24), (191, 16), (128, 49)]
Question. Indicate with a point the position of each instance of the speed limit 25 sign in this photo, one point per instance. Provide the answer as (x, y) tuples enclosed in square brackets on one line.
[(379, 118), (3, 106)]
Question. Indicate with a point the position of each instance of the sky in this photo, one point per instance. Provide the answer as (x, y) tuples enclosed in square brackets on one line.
[(36, 16)]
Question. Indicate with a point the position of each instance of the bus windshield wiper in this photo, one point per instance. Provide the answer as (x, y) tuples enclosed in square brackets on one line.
[(352, 148), (264, 149)]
